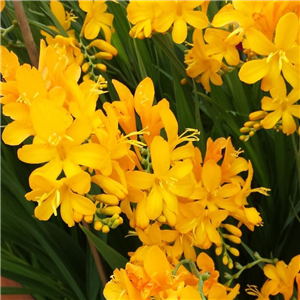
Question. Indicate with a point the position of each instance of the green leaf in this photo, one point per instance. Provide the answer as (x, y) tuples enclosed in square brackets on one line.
[(112, 257)]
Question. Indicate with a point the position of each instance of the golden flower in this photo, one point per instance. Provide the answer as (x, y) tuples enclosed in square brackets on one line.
[(283, 107), (202, 66), (283, 276), (66, 193), (96, 19), (283, 55), (179, 14)]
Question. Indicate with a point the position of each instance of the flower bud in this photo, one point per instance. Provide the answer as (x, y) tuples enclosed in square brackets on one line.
[(219, 250), (104, 55), (249, 123), (258, 115), (89, 219), (105, 229), (101, 67), (104, 46), (233, 229), (107, 199), (233, 239), (98, 225), (244, 130), (85, 67), (234, 251), (110, 210), (77, 216), (225, 260)]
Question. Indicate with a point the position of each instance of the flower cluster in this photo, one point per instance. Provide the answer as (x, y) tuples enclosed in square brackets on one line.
[(281, 279), (156, 278), (257, 30), (69, 136), (97, 19)]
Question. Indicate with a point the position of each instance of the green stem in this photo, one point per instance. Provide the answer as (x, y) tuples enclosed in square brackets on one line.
[(248, 266)]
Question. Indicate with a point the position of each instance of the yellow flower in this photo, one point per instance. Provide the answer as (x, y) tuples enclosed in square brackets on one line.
[(96, 19), (9, 64), (2, 5), (283, 55), (18, 97), (206, 264), (179, 14), (120, 287), (283, 107), (202, 223), (267, 289), (222, 42), (142, 14), (218, 292), (165, 184), (283, 276), (66, 193), (201, 66)]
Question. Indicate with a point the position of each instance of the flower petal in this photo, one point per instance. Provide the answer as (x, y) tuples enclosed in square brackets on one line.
[(286, 31), (36, 154), (179, 32), (254, 70), (288, 123), (160, 156), (154, 203), (211, 175), (16, 132), (259, 43)]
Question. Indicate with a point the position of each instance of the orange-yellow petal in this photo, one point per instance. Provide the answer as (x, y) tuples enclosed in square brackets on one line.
[(179, 32), (160, 156), (211, 175), (254, 70), (286, 31), (271, 119)]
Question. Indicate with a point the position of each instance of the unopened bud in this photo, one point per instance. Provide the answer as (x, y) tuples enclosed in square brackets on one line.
[(77, 216), (183, 81), (85, 67), (256, 255), (219, 250), (86, 77), (234, 251), (230, 265), (233, 239), (89, 219), (238, 266), (251, 133), (105, 229), (79, 59), (107, 199), (258, 115), (257, 126), (101, 67), (249, 123), (225, 260), (205, 275), (104, 55), (244, 130), (227, 276), (98, 225), (104, 46), (233, 229), (110, 210)]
